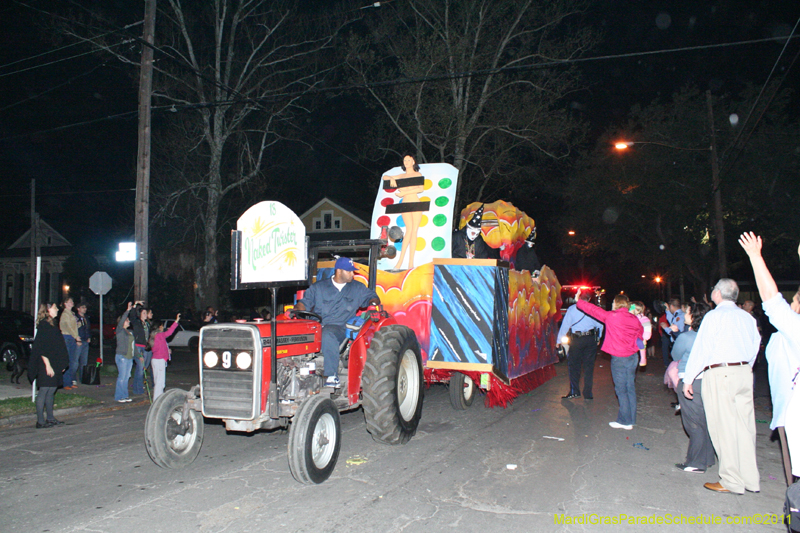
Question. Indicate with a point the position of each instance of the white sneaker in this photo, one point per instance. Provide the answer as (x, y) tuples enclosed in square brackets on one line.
[(333, 381), (617, 425)]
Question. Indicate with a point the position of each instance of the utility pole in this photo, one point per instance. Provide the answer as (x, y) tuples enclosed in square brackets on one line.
[(143, 157), (719, 227), (34, 242)]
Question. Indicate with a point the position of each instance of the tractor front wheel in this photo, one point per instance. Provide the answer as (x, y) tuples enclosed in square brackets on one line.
[(170, 443), (393, 385), (314, 440)]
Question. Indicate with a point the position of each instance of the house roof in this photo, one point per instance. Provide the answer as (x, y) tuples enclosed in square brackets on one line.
[(348, 211), (45, 230)]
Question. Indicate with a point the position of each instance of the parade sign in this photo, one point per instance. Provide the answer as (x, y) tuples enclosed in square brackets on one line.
[(273, 244)]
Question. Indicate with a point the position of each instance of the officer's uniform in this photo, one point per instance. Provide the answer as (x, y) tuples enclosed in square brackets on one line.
[(582, 348), (335, 307)]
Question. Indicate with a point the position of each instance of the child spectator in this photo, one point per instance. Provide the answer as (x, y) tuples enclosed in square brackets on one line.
[(161, 354)]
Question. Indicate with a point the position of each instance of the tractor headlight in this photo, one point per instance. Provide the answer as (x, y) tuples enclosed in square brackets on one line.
[(244, 360), (210, 359), (565, 339)]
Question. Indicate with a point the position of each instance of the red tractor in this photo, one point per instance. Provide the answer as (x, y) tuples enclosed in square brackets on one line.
[(250, 386)]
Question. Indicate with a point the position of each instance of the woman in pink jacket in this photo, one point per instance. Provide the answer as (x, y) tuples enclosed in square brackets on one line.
[(622, 331), (161, 354)]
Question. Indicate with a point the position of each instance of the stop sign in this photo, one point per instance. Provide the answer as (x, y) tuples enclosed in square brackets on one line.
[(100, 283)]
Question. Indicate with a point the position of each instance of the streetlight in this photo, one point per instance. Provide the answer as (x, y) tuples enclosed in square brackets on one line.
[(624, 145), (719, 226)]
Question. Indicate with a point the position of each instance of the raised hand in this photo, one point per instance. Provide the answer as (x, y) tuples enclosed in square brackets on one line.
[(751, 244)]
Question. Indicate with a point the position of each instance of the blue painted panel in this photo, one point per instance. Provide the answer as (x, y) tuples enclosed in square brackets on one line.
[(463, 314), (500, 322)]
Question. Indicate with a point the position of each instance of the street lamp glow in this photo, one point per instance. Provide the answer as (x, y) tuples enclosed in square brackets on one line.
[(622, 146), (126, 252), (571, 232), (658, 279)]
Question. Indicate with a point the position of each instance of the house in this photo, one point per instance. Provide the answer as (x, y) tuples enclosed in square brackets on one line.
[(15, 267), (328, 221)]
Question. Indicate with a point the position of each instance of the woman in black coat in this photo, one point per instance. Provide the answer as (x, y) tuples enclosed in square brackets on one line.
[(49, 359)]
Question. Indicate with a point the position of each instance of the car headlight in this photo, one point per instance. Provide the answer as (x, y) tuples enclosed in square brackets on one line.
[(210, 359), (244, 360), (565, 339), (23, 338)]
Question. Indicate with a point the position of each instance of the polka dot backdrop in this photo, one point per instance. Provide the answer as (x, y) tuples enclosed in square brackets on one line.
[(436, 224)]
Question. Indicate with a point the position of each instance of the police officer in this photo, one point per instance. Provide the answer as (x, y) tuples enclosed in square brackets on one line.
[(582, 348), (336, 300)]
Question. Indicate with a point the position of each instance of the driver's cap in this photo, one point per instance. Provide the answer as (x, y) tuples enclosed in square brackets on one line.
[(345, 263)]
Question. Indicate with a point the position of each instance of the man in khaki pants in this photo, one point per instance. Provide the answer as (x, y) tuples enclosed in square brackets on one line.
[(724, 351)]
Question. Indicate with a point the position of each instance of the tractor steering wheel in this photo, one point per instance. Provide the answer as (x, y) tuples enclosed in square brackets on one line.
[(301, 313)]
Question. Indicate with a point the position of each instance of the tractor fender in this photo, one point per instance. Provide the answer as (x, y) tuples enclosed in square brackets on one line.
[(358, 356)]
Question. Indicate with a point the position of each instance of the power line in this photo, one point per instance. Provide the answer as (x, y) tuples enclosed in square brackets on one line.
[(30, 58), (65, 193), (740, 149), (51, 89), (406, 81)]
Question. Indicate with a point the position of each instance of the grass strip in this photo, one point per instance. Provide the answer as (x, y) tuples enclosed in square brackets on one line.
[(24, 406)]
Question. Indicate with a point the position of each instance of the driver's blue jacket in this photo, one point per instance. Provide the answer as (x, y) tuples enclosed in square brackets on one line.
[(334, 306)]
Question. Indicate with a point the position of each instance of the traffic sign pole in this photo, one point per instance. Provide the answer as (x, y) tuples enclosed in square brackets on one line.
[(100, 283)]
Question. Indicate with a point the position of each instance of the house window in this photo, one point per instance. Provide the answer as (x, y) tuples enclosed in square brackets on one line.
[(327, 222)]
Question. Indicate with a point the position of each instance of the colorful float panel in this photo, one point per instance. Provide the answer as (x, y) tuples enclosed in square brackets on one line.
[(533, 309), (433, 207), (504, 227), (469, 316)]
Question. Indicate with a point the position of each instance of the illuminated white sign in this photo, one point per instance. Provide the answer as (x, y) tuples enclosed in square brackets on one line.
[(273, 244), (126, 252)]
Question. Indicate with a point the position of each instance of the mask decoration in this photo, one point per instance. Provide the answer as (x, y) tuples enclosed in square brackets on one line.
[(474, 224), (531, 238)]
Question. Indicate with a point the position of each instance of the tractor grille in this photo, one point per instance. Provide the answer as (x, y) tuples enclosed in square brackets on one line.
[(230, 393)]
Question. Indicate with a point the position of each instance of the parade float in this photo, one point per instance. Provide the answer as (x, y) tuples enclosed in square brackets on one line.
[(476, 324)]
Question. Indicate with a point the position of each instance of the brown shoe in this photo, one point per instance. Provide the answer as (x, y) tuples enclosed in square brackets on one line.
[(716, 487)]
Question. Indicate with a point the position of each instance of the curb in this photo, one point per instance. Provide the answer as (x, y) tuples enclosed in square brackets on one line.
[(100, 407)]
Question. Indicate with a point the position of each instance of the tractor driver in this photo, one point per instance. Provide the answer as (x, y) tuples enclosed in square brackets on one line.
[(336, 300)]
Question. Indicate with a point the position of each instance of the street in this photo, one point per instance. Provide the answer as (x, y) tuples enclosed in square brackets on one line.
[(474, 470)]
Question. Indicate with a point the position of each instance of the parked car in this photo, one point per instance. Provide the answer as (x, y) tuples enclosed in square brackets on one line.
[(109, 332), (16, 336), (185, 336)]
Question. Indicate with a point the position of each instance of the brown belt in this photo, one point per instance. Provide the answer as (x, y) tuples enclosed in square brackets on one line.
[(725, 364)]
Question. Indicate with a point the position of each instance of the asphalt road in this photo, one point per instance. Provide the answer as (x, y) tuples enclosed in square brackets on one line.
[(474, 470)]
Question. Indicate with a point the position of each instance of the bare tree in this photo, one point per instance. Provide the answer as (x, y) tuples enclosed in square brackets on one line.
[(480, 85), (239, 71), (652, 203), (235, 73)]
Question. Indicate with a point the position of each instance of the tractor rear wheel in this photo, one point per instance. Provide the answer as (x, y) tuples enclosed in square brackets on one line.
[(462, 391), (314, 440), (169, 444), (392, 385)]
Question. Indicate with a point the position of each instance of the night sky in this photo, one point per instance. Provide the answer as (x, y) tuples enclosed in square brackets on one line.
[(85, 174)]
